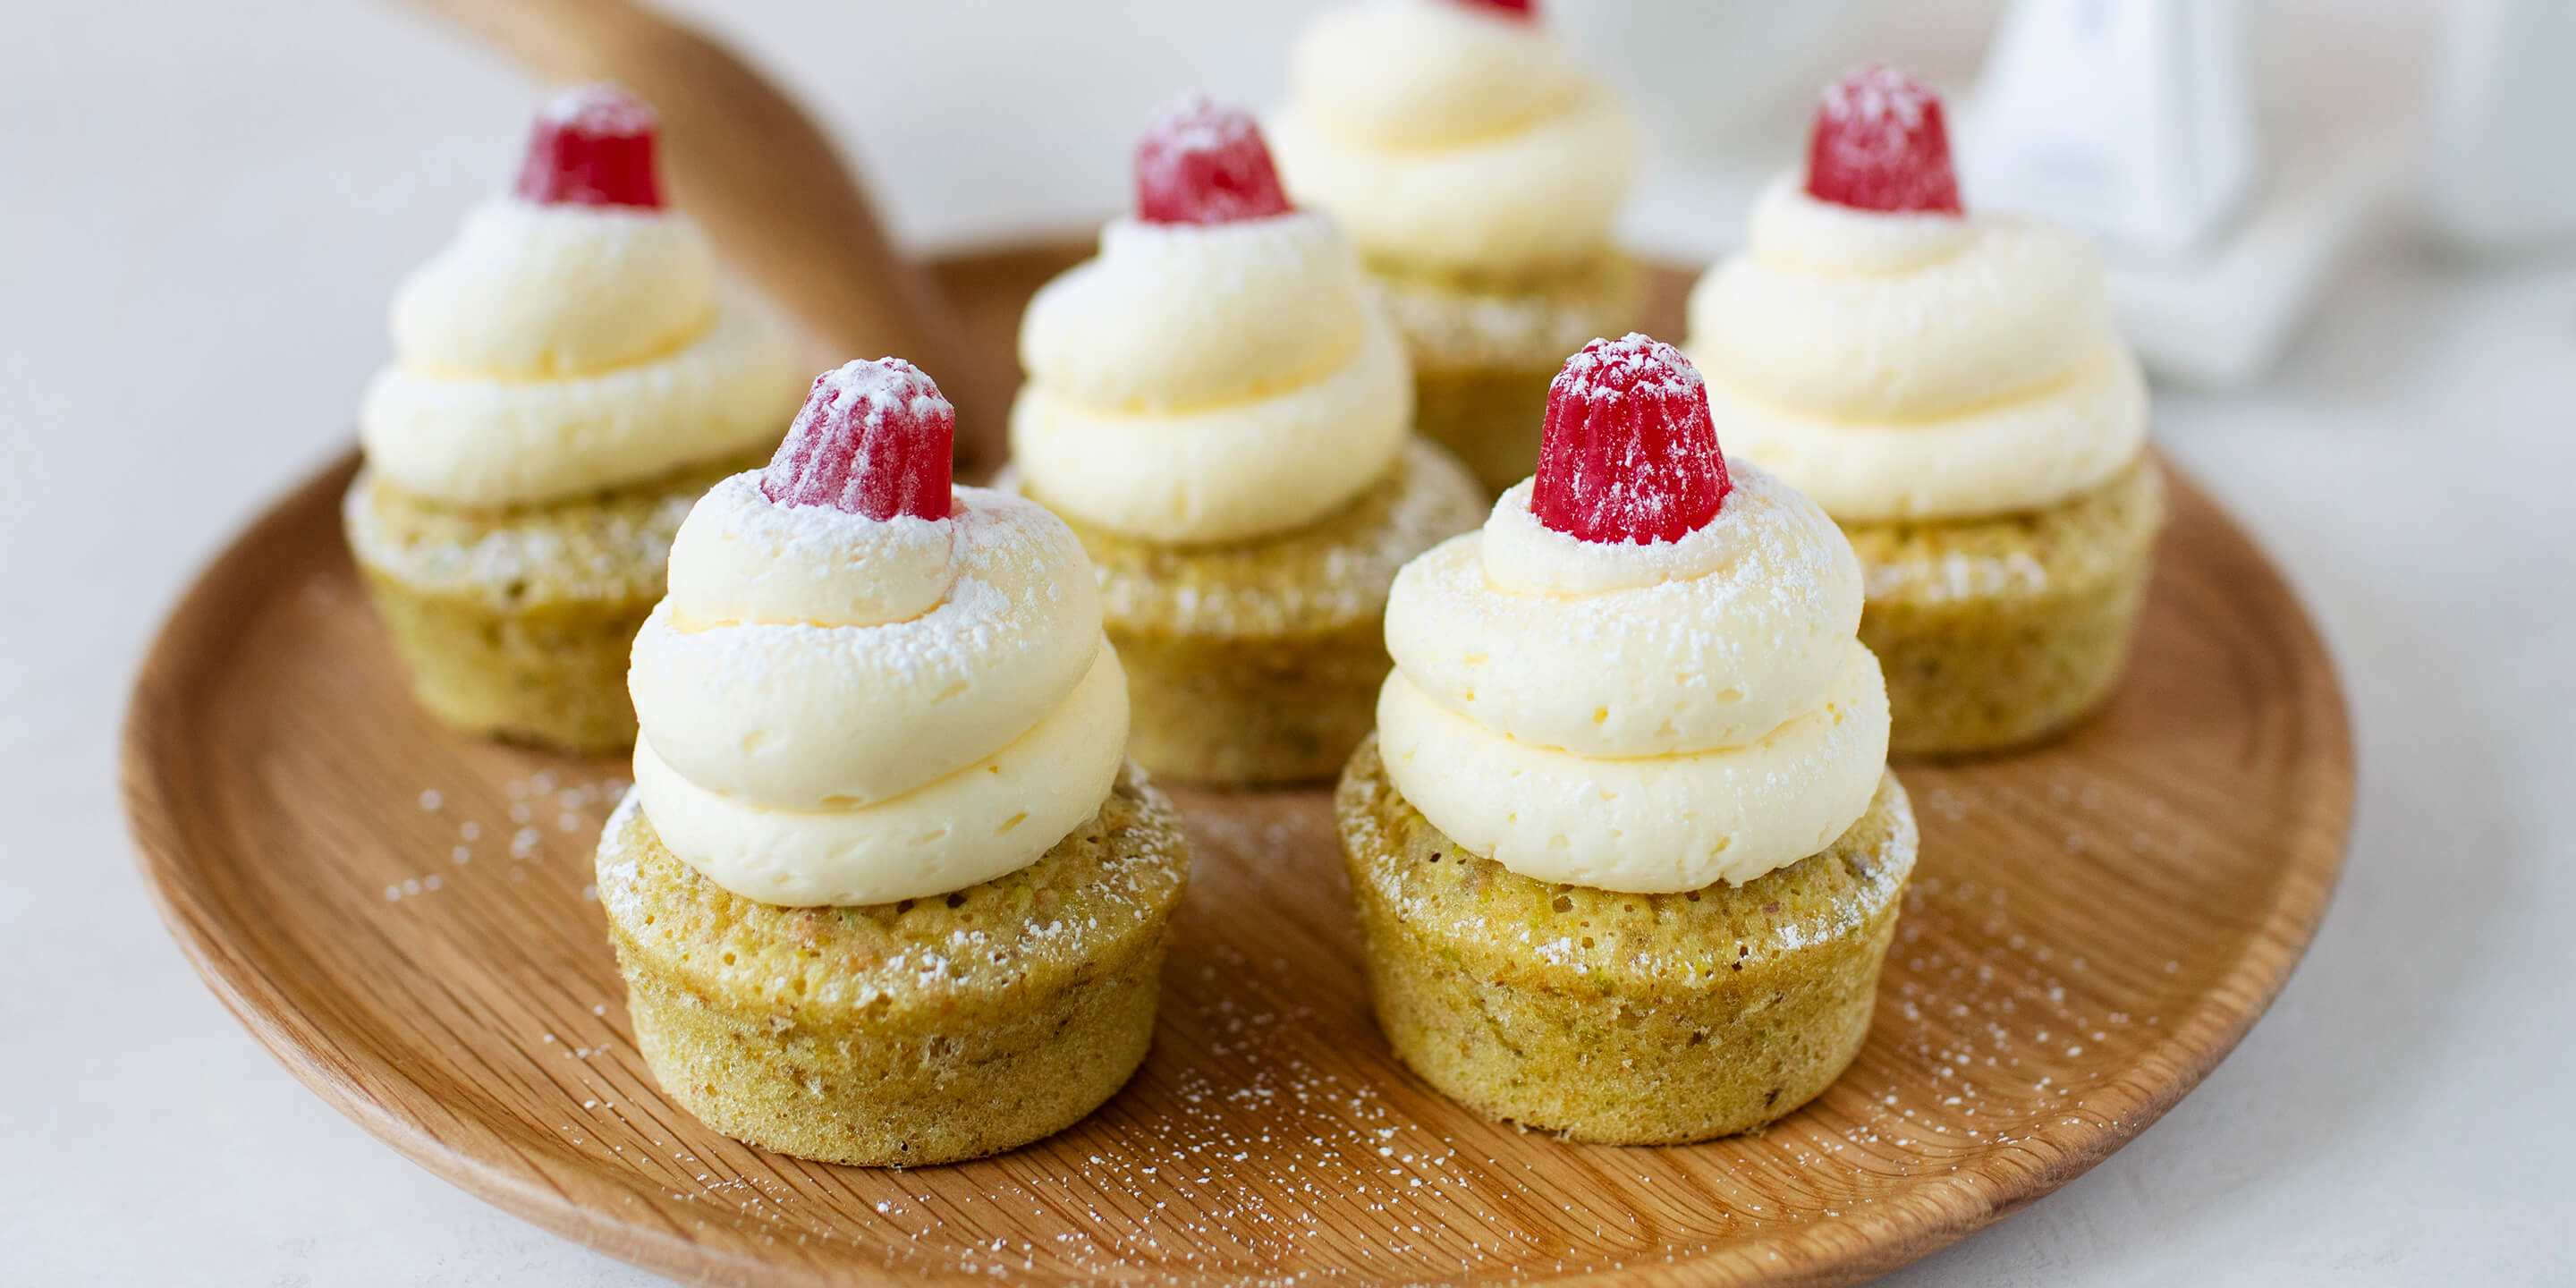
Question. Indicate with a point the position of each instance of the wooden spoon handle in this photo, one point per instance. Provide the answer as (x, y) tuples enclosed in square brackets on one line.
[(771, 190)]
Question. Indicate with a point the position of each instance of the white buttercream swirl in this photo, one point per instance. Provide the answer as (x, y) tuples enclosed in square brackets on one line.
[(538, 292), (1915, 366), (1452, 138), (841, 710), (1646, 718), (553, 350), (1204, 383)]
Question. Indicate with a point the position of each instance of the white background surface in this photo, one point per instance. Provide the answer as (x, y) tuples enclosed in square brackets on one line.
[(204, 207)]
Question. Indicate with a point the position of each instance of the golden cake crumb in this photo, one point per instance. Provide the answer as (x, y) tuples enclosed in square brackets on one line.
[(1484, 349), (516, 622), (1260, 661), (925, 1031), (2000, 632), (1618, 1018)]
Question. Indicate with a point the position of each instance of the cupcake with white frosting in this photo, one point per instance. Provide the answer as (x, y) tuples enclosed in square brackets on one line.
[(1625, 848), (887, 890), (1480, 169), (1224, 417), (1949, 387), (568, 376)]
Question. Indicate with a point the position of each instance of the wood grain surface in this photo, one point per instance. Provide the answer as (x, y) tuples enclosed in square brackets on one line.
[(405, 918)]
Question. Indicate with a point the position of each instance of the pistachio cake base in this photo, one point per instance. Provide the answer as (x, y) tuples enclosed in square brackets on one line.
[(1250, 712), (1620, 1019), (517, 622), (2002, 632), (1484, 350), (1259, 662), (927, 1031)]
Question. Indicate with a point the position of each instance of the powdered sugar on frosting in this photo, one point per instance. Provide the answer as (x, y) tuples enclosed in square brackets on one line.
[(1201, 384), (1623, 650), (1453, 138), (1645, 717), (558, 349), (746, 560), (844, 710), (1897, 366)]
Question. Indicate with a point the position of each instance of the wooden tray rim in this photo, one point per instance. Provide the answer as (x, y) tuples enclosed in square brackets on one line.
[(1939, 1211)]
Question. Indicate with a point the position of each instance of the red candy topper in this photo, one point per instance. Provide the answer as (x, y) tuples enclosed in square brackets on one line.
[(1879, 144), (874, 439), (1516, 8), (1628, 454), (1200, 163), (592, 145)]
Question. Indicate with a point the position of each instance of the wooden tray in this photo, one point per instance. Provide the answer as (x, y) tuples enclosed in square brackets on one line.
[(405, 918)]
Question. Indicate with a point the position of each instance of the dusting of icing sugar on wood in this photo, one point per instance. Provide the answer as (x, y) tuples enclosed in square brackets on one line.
[(2093, 926)]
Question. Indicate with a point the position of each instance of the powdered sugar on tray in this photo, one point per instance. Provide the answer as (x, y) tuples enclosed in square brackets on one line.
[(1270, 1139)]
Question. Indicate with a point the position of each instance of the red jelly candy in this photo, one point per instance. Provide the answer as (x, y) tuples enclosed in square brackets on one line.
[(1516, 8), (1879, 145), (874, 439), (1200, 163), (592, 145), (1628, 453)]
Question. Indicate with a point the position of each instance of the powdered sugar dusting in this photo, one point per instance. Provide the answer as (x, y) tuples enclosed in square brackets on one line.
[(883, 385), (874, 438), (1768, 535), (1448, 328), (1878, 96), (1269, 1138), (1197, 123), (1271, 1141), (1203, 163), (600, 108), (1634, 363), (974, 622), (1879, 144), (619, 551), (1629, 453), (592, 145), (1318, 580)]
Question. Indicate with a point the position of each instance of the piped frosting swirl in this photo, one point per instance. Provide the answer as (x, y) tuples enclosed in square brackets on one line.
[(845, 710), (1206, 383), (1641, 717), (1914, 365), (556, 349), (1453, 138)]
